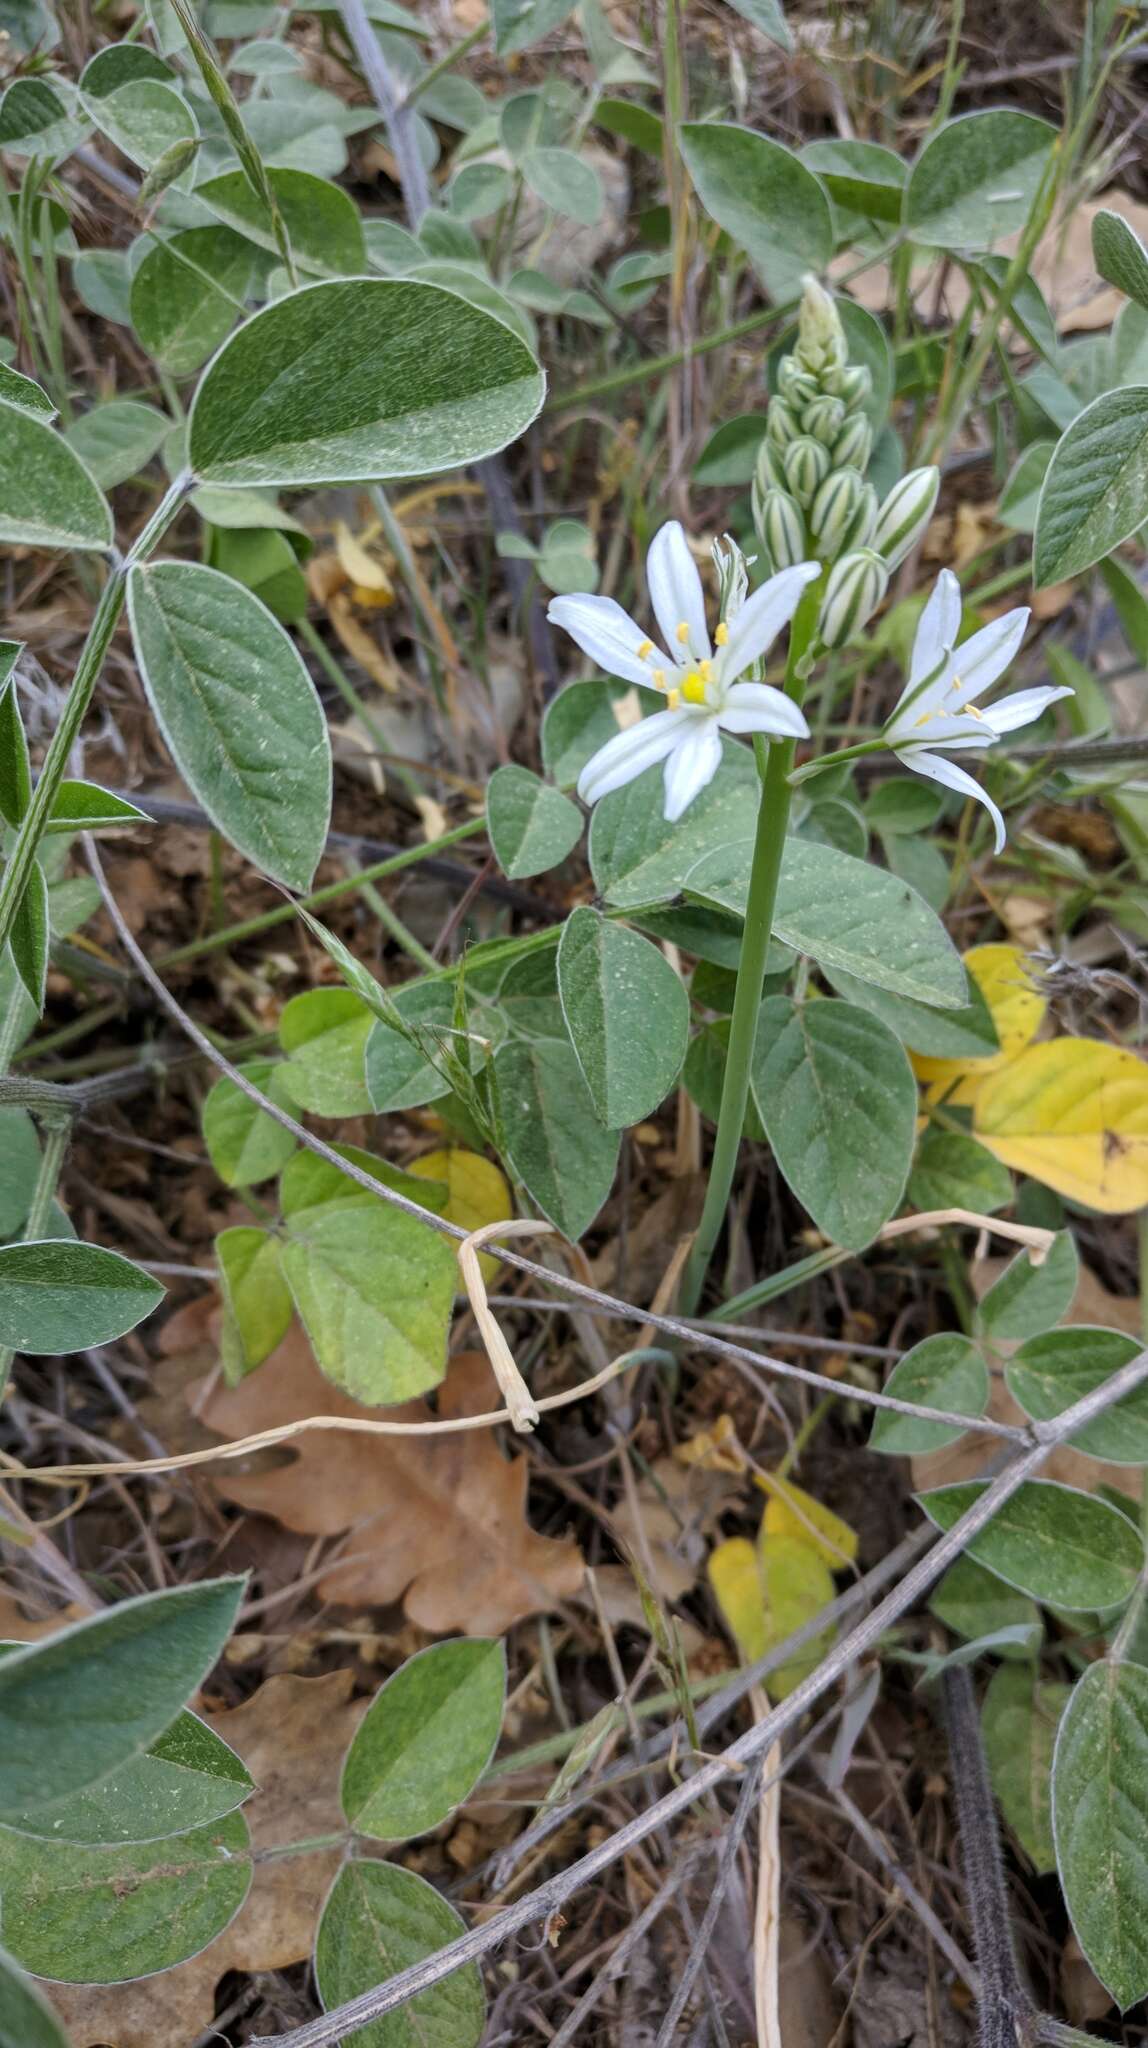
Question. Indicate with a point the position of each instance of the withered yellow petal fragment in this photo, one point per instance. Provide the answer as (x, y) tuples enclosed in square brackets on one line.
[(1074, 1115), (1005, 978)]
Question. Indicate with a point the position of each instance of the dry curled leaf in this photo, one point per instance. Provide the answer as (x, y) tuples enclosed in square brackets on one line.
[(292, 1735), (437, 1522)]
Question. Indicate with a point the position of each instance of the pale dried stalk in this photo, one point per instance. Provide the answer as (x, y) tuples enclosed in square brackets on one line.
[(767, 1901), (521, 1406), (1038, 1241)]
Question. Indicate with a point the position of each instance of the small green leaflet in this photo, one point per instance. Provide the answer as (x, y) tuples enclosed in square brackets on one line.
[(1064, 1548), (532, 826), (976, 178), (19, 1168), (106, 1915), (436, 383), (427, 1738), (25, 394), (144, 118), (627, 1013), (118, 439), (85, 1702), (946, 1371), (1051, 1372), (1120, 255), (764, 197), (188, 293), (30, 936), (47, 497), (60, 1296), (1099, 1771), (231, 695), (85, 807), (554, 1143), (256, 1299), (965, 1034), (245, 1144), (565, 182), (973, 1603), (15, 772), (324, 1032), (953, 1171), (322, 221), (1028, 1297), (375, 1289), (1019, 1720), (835, 1091), (378, 1920), (1095, 491)]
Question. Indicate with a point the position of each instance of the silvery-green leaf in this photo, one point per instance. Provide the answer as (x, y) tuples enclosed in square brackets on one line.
[(188, 1778), (144, 119), (976, 177), (25, 394), (427, 1737), (379, 1919), (764, 197), (47, 497), (564, 182), (1099, 1771), (1052, 1371), (120, 64), (118, 439), (627, 1013), (1120, 255), (518, 23), (532, 826), (238, 711), (19, 1166), (1064, 1548), (554, 1143), (38, 118), (1029, 1298), (861, 178), (1095, 491), (945, 1371), (435, 383), (56, 1298), (321, 220), (188, 294)]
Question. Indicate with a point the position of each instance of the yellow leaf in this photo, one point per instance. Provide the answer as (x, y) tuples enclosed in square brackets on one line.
[(1004, 976), (478, 1192), (1073, 1114), (361, 568), (765, 1593), (715, 1450), (790, 1511)]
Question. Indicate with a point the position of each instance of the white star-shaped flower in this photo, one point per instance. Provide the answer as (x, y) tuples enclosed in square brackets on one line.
[(699, 681), (937, 707)]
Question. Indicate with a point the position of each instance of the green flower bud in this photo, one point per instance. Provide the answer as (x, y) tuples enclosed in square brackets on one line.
[(781, 424), (769, 474), (824, 419), (795, 384), (806, 464), (841, 516), (854, 444), (821, 342), (856, 585), (782, 530), (852, 384), (905, 514)]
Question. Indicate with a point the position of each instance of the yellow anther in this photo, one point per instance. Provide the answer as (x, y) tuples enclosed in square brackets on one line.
[(693, 689), (924, 719), (673, 699), (659, 678), (705, 670), (682, 633), (973, 712), (954, 686), (646, 648), (722, 634)]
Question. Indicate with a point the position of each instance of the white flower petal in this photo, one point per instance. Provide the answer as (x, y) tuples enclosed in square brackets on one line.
[(607, 634), (963, 729), (758, 707), (937, 630), (695, 761), (676, 593), (984, 657), (935, 769), (1022, 707), (756, 625), (629, 753)]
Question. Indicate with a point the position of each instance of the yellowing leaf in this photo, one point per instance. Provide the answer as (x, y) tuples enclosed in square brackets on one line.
[(360, 567), (1073, 1114), (1004, 977), (790, 1511), (478, 1192), (715, 1450), (767, 1591)]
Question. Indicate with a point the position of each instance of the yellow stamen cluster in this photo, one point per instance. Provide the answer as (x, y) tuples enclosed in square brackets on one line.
[(693, 688)]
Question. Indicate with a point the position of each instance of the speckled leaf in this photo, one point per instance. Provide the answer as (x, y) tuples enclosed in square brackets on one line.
[(951, 1171), (322, 221), (976, 177), (187, 1779), (1099, 1775), (238, 711), (1095, 490), (378, 1920), (1029, 1298), (427, 1738), (1019, 1720), (59, 1297), (144, 118), (47, 498), (188, 294), (24, 393), (1066, 1549), (532, 826), (627, 1013), (945, 1371), (433, 382), (1052, 1371), (765, 198), (117, 439), (554, 1143), (1120, 255)]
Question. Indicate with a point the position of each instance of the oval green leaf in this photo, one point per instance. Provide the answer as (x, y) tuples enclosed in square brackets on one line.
[(1095, 490), (85, 1702), (554, 1143), (836, 1095), (59, 1297), (324, 1032), (322, 221), (238, 711), (434, 382), (1120, 255), (532, 826), (765, 198), (1099, 1771), (953, 1171), (946, 1371), (246, 1145), (47, 497), (1029, 1298), (378, 1920), (427, 1738), (187, 1779), (26, 2018), (627, 1013), (976, 178), (188, 294), (375, 1289), (144, 118), (116, 440), (1019, 1720), (1064, 1548), (1052, 1371)]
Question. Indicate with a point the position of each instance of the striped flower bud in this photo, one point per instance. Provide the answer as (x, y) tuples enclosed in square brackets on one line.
[(856, 585), (852, 384), (781, 424), (841, 516), (782, 530), (854, 444), (806, 464), (795, 384), (824, 419), (769, 474), (820, 336), (905, 514)]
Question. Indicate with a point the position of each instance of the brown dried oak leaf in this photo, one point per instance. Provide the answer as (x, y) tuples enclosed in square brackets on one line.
[(292, 1734), (438, 1522)]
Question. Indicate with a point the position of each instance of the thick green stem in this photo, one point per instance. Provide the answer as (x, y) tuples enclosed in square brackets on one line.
[(19, 869), (775, 763)]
